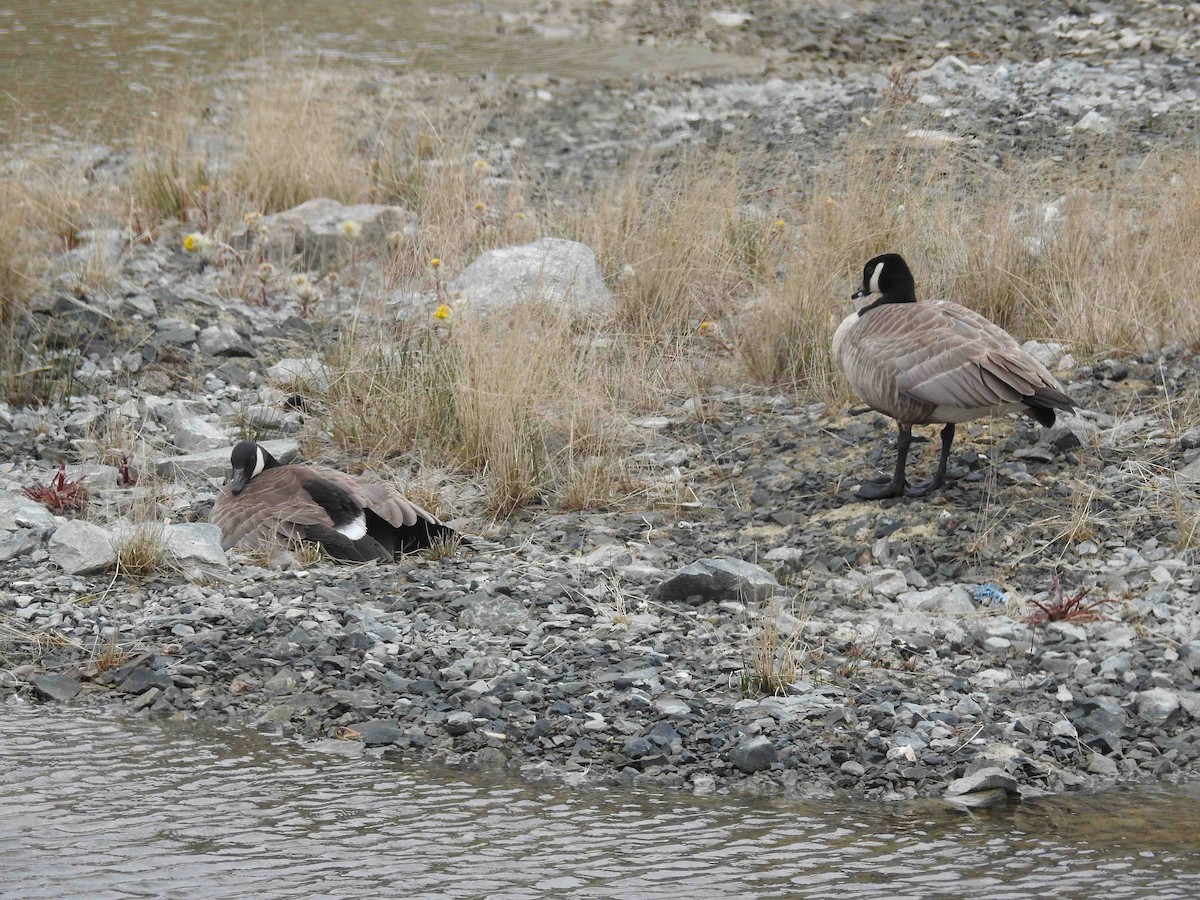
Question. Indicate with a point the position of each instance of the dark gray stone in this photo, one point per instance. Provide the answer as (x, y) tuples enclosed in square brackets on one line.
[(378, 732), (140, 680), (175, 331), (983, 780), (224, 340), (715, 580), (754, 755), (1157, 705), (459, 723), (55, 686), (18, 511), (18, 545), (1100, 722), (637, 747)]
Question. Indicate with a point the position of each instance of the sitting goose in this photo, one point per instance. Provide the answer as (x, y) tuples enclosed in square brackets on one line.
[(354, 520), (922, 363)]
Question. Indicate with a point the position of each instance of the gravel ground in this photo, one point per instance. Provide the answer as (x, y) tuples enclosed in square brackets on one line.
[(571, 644)]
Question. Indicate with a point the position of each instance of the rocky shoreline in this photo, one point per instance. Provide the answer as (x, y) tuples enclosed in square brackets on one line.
[(761, 630), (623, 646)]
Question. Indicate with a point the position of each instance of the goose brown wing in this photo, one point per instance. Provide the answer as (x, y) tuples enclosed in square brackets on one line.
[(272, 503), (383, 499), (948, 355)]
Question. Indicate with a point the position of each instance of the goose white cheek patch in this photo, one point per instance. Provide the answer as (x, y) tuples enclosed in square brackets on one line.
[(874, 284), (355, 529), (260, 463)]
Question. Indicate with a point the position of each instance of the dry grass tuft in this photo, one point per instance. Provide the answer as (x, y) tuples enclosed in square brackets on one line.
[(432, 169), (296, 144), (444, 547), (513, 399), (678, 249), (772, 658), (107, 656), (169, 173), (142, 551), (596, 482), (18, 278)]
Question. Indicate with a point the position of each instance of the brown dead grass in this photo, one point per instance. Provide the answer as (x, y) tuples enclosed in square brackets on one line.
[(512, 399), (1093, 261), (142, 551), (677, 250), (432, 168), (17, 251), (296, 144), (714, 280)]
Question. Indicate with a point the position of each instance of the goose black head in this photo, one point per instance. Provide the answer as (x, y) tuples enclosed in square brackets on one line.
[(248, 459), (889, 277)]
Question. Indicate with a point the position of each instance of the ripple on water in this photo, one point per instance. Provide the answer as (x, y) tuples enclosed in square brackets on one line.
[(106, 807)]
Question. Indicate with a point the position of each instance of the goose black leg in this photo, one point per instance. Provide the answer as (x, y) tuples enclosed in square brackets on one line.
[(939, 476), (895, 487)]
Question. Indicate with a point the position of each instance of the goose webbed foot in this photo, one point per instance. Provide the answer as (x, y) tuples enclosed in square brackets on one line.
[(927, 487), (894, 486), (881, 489), (939, 477)]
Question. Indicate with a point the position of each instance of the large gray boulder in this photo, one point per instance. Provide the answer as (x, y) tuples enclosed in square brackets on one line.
[(81, 548), (195, 544), (301, 372), (716, 580), (314, 231), (198, 433), (215, 463), (224, 340), (18, 512), (551, 270), (988, 786)]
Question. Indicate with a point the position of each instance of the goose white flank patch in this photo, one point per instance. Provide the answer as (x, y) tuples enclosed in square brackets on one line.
[(355, 520), (933, 362)]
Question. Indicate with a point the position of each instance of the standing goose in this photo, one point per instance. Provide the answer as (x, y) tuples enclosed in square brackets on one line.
[(354, 520), (922, 363)]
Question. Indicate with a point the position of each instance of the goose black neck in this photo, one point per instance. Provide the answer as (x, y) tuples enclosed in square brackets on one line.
[(898, 296), (269, 462)]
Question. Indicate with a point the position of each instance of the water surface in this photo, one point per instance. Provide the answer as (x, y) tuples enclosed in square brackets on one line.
[(62, 58), (105, 807)]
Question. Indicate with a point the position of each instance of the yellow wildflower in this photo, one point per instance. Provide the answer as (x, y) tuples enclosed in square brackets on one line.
[(252, 219), (436, 262), (351, 230), (442, 312), (520, 215), (705, 327), (198, 243), (480, 207), (481, 166), (779, 224)]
